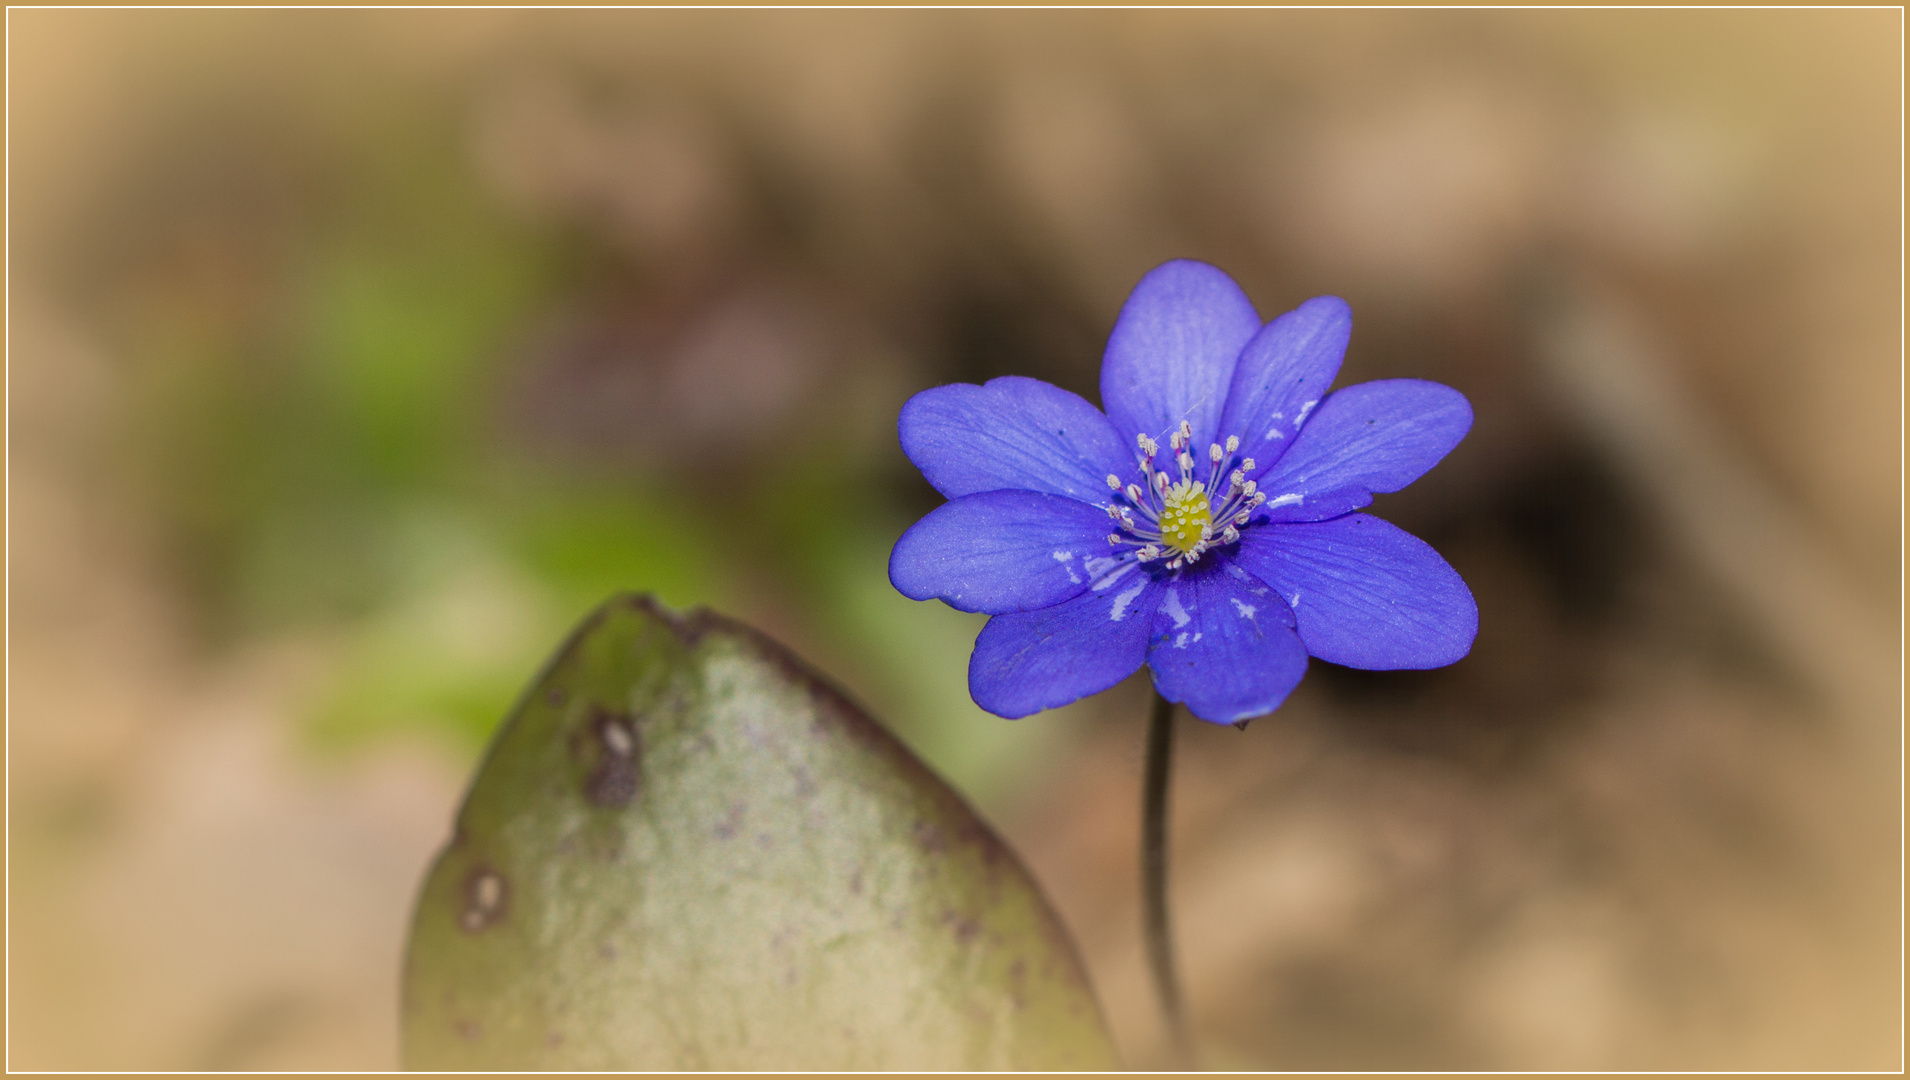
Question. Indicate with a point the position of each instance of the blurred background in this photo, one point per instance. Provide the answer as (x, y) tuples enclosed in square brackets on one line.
[(354, 356)]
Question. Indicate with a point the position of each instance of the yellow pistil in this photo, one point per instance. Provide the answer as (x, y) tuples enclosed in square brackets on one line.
[(1186, 517)]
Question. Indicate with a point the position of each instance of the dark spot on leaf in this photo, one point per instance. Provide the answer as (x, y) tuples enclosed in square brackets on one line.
[(487, 896), (468, 1030), (554, 1040), (555, 696), (607, 951), (965, 926), (929, 838), (615, 780), (1241, 725), (731, 820)]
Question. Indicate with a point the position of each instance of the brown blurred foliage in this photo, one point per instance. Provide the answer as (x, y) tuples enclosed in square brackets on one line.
[(355, 353)]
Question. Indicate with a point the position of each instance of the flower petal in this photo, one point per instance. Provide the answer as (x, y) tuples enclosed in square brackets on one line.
[(1035, 660), (1366, 594), (1373, 437), (1284, 372), (1011, 433), (1224, 644), (1172, 353), (1001, 551)]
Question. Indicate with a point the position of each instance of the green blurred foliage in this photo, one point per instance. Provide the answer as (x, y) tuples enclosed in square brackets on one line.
[(323, 427), (317, 432)]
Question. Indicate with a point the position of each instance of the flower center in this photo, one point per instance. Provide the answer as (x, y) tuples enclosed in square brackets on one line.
[(1177, 521), (1186, 520)]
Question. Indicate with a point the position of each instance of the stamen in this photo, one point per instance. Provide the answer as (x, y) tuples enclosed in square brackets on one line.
[(1191, 517)]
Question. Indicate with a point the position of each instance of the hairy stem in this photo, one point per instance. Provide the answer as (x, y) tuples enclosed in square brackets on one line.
[(1160, 940)]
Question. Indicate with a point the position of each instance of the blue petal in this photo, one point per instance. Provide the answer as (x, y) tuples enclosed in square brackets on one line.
[(1011, 434), (1224, 644), (1366, 594), (1374, 437), (1172, 354), (1001, 551), (1284, 372), (1037, 660)]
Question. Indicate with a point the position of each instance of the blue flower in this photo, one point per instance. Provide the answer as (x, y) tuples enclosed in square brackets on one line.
[(1204, 526)]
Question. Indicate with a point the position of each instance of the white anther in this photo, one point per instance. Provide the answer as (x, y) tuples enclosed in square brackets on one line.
[(1160, 481), (1148, 446), (1134, 493), (1237, 477), (1114, 540), (1241, 518), (1214, 453), (1260, 498), (1247, 465), (1186, 461), (1233, 443), (1151, 551), (1230, 535), (1248, 487), (1206, 532), (1186, 433), (1114, 482), (1113, 511)]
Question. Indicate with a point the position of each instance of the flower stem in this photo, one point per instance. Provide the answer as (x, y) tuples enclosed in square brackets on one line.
[(1160, 940)]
